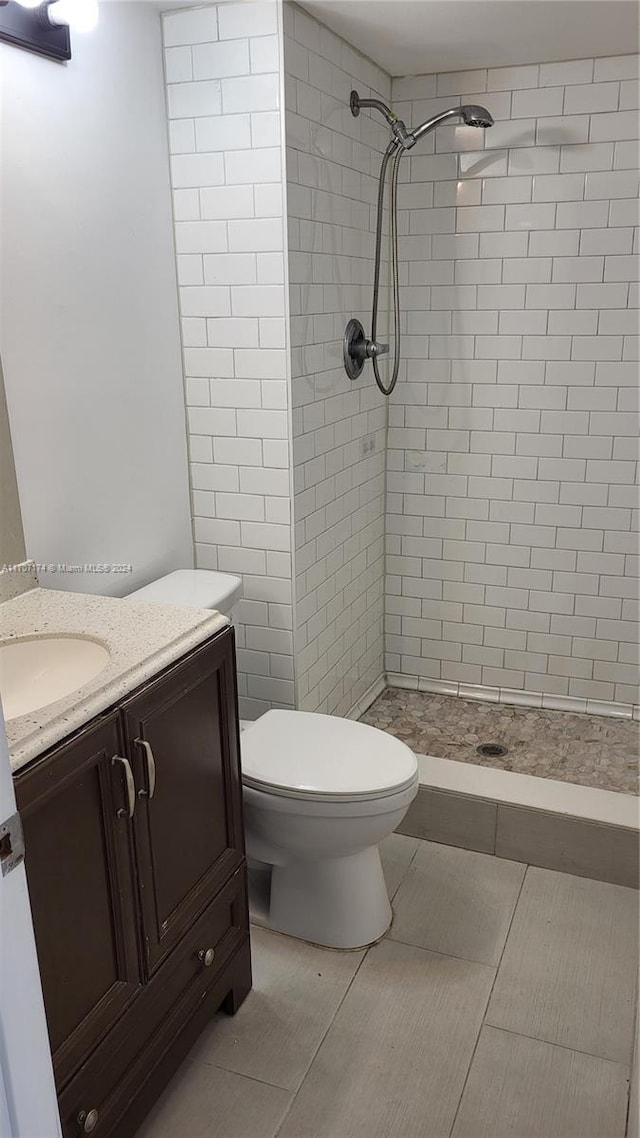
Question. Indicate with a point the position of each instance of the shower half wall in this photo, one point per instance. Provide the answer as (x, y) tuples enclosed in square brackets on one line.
[(338, 426)]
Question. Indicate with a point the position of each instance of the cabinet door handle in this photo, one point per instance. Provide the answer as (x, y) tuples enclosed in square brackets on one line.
[(151, 768), (88, 1120), (131, 787), (207, 956)]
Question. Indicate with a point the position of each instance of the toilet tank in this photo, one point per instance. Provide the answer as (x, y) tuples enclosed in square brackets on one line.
[(197, 588)]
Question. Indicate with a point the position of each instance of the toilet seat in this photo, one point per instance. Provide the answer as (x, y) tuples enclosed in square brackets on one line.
[(307, 756)]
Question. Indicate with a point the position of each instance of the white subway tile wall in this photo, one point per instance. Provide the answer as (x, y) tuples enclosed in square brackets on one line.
[(511, 518), (338, 427), (512, 460), (223, 81)]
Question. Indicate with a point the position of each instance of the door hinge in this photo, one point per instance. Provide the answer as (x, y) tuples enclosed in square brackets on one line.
[(11, 844)]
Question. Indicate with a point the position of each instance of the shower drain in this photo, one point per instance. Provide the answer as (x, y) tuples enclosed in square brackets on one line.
[(492, 750)]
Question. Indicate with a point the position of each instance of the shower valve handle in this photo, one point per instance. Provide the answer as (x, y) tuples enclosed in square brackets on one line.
[(357, 349), (373, 348), (368, 350)]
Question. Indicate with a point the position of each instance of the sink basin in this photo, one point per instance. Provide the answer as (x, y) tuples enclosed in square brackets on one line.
[(36, 671)]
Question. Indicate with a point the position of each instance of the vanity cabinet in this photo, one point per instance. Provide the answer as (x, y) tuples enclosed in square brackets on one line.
[(137, 877), (180, 738), (82, 891)]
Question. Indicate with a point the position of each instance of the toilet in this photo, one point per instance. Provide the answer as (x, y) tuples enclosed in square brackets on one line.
[(320, 793)]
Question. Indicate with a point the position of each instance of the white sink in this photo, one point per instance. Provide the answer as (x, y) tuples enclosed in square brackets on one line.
[(36, 671)]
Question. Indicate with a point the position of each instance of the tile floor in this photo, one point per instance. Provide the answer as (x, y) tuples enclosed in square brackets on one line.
[(593, 750), (500, 1005)]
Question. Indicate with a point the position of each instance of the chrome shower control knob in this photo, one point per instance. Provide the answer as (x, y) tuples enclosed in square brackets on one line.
[(373, 348), (207, 956), (88, 1120)]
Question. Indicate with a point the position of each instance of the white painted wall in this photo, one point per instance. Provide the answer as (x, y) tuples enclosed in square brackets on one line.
[(90, 338)]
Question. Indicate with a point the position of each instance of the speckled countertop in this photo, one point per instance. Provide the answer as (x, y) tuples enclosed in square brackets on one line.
[(142, 640)]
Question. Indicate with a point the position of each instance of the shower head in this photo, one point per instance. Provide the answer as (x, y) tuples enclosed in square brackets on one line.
[(476, 116), (470, 114)]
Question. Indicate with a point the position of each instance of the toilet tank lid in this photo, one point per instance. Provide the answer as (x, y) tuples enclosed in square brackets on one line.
[(305, 753), (197, 588)]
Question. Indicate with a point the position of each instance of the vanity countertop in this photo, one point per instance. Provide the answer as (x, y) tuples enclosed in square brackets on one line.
[(142, 639)]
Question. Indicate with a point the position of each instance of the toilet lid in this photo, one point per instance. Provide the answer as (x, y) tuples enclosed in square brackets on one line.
[(301, 754)]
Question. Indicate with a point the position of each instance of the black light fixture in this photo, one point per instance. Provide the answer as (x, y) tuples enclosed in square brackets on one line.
[(43, 25)]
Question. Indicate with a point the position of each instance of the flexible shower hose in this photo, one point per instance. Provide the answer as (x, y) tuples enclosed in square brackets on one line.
[(395, 151)]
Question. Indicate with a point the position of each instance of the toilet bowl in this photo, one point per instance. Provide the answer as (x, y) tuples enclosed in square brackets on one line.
[(320, 793)]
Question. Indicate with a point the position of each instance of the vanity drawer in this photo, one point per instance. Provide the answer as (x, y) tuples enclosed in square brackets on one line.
[(196, 973)]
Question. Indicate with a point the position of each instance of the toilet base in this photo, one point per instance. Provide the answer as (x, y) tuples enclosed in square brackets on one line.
[(336, 902)]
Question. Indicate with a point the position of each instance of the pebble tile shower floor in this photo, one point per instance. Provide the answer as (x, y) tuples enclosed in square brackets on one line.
[(593, 750), (499, 1005)]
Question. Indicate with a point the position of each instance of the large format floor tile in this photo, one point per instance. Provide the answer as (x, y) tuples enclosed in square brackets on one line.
[(396, 853), (297, 990), (523, 1088), (457, 902), (202, 1100), (395, 1058), (570, 964)]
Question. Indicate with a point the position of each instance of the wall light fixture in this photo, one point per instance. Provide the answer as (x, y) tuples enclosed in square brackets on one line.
[(43, 26)]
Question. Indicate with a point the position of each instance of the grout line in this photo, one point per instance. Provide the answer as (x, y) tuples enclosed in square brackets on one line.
[(561, 1046), (240, 1074), (315, 1054), (404, 875), (437, 952), (495, 830), (633, 1066), (484, 1015)]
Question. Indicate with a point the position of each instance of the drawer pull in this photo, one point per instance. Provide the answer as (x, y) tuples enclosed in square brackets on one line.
[(151, 768), (207, 956), (88, 1120), (131, 793)]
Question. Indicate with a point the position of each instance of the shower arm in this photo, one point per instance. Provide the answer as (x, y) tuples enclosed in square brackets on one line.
[(356, 104), (400, 133)]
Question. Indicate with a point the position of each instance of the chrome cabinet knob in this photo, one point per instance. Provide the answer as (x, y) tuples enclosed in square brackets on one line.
[(88, 1120), (207, 956)]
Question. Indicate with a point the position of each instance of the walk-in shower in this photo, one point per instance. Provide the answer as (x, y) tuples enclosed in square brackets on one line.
[(357, 348)]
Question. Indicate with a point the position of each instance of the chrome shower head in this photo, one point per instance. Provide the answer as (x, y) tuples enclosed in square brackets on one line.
[(476, 116), (470, 114)]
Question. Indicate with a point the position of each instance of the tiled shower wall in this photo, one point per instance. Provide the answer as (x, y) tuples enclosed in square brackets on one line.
[(512, 444), (223, 73), (511, 461), (338, 427)]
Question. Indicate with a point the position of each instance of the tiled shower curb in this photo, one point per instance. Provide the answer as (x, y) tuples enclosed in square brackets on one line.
[(556, 825)]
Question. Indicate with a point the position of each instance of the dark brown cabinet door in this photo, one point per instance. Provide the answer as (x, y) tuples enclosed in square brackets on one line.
[(182, 740), (80, 872)]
